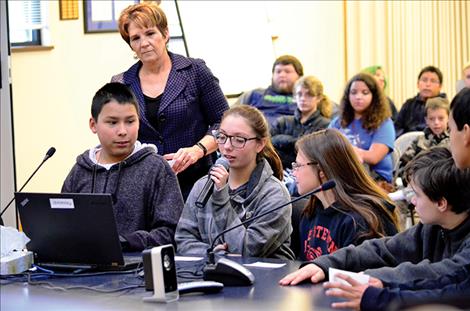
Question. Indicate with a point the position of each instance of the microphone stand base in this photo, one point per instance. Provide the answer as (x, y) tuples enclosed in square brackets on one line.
[(229, 273)]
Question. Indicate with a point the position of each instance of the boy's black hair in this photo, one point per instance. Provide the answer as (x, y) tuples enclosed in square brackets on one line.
[(431, 69), (460, 108), (113, 91), (435, 172)]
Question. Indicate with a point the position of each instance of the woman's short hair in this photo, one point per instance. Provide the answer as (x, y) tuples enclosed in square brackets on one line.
[(144, 15)]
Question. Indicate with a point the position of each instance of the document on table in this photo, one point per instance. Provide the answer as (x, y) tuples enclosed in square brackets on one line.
[(267, 265), (187, 258)]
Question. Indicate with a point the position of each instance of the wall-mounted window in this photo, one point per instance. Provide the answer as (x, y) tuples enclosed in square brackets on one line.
[(28, 22)]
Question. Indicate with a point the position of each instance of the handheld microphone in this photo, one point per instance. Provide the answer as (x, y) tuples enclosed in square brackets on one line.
[(232, 273), (206, 192), (49, 154)]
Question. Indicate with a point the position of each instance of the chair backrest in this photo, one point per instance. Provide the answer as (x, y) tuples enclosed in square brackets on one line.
[(401, 144), (405, 140)]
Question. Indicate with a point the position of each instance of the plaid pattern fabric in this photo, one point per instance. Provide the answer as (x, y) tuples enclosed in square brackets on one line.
[(192, 104)]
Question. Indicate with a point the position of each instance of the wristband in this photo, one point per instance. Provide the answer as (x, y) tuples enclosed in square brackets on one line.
[(204, 149)]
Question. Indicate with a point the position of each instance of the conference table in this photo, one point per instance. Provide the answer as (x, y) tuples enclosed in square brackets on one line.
[(103, 292)]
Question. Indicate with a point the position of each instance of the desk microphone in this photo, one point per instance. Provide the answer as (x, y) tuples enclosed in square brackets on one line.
[(232, 273), (49, 154), (206, 192)]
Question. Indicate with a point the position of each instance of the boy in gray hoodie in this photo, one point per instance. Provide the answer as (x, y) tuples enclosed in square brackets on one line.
[(147, 201)]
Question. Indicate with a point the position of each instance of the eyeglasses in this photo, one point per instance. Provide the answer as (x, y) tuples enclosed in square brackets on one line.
[(433, 81), (236, 141), (296, 166)]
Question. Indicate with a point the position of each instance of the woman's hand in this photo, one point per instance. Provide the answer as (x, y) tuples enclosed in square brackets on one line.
[(310, 271), (219, 175), (184, 157)]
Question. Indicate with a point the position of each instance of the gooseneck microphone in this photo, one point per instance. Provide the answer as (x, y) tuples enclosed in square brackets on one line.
[(206, 192), (326, 186), (231, 273), (49, 154)]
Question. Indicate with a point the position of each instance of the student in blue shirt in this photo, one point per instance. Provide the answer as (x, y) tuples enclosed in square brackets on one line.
[(365, 121)]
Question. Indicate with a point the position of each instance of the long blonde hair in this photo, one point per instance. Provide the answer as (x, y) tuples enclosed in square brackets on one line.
[(258, 123)]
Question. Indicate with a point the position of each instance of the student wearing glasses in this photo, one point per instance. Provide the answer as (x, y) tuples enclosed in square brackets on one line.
[(250, 187), (354, 211)]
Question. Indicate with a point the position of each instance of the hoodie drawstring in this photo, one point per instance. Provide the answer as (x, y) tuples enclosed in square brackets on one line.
[(114, 195), (93, 178)]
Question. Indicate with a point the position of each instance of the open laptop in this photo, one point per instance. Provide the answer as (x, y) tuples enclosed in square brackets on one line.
[(72, 230)]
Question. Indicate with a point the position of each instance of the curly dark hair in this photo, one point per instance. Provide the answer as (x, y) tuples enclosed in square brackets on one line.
[(375, 114)]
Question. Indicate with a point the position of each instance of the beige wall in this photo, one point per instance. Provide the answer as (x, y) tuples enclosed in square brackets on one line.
[(52, 90)]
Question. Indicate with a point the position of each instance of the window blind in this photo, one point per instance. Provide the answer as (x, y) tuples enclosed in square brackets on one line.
[(27, 21)]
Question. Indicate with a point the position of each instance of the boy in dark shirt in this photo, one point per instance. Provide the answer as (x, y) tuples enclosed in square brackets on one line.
[(411, 115)]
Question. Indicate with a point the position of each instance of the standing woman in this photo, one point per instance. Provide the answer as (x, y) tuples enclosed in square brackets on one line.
[(355, 210), (251, 187), (180, 101), (365, 121)]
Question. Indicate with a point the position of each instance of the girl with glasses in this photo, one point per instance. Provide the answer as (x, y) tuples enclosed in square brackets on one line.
[(250, 187), (355, 210)]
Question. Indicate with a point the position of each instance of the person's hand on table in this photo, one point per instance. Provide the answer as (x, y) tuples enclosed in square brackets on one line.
[(352, 291), (310, 271)]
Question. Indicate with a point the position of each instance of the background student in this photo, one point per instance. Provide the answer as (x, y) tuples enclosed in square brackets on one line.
[(276, 100), (439, 247), (312, 106), (252, 186), (379, 74), (411, 115), (147, 201), (355, 210), (436, 132), (180, 101), (365, 121)]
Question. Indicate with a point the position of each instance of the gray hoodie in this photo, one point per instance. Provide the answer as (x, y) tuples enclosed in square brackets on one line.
[(147, 201), (268, 236), (421, 252)]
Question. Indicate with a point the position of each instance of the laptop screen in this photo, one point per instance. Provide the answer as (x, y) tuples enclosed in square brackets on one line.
[(70, 228)]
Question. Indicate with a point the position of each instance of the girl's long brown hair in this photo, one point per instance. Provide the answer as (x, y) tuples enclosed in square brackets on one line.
[(355, 190), (258, 123)]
